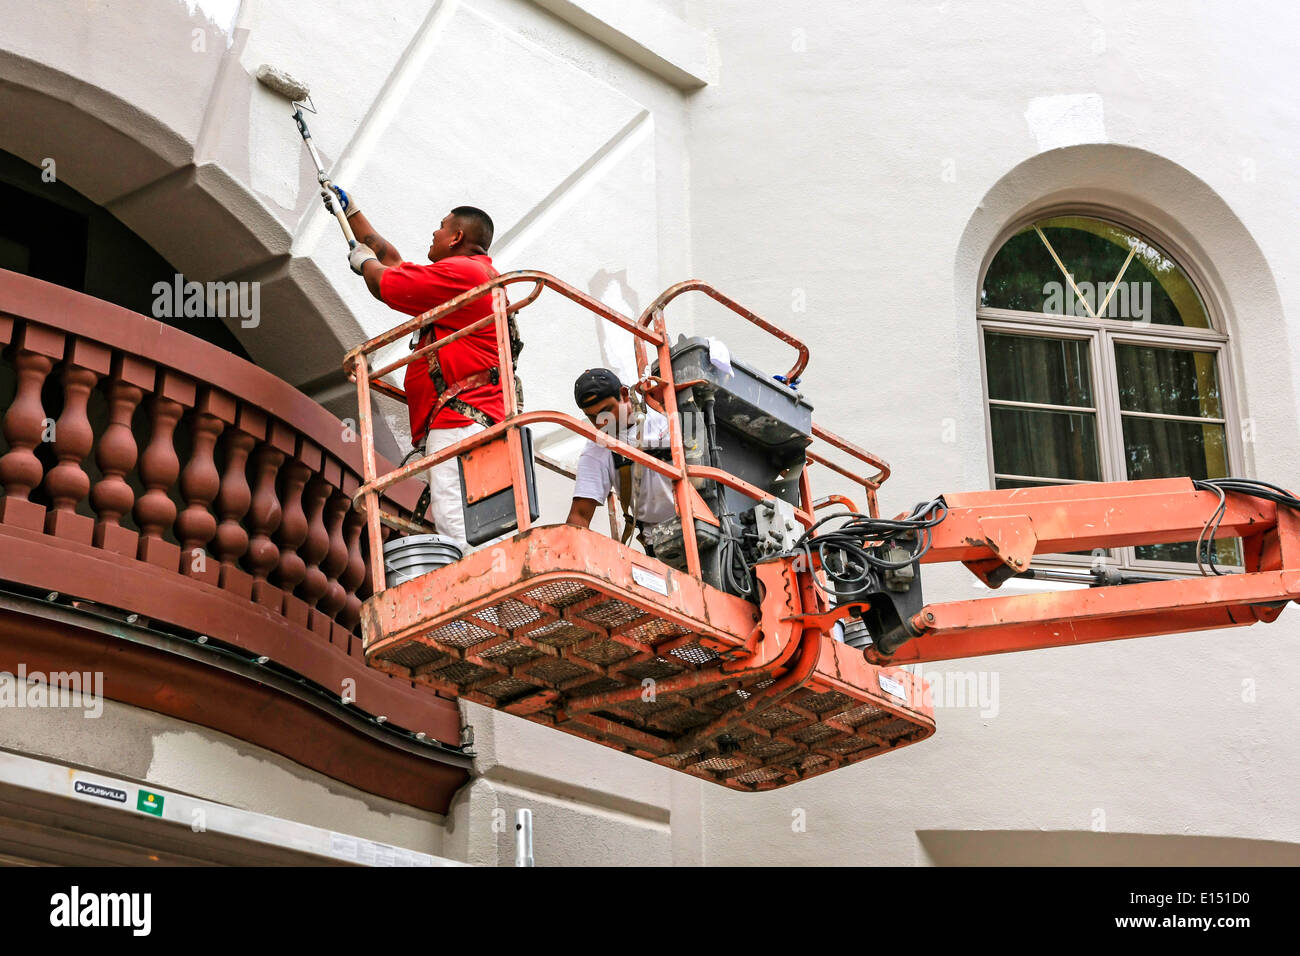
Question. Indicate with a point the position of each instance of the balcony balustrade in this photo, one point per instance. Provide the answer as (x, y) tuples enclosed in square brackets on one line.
[(153, 476)]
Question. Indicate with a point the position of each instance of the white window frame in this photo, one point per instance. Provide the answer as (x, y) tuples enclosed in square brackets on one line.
[(1103, 334)]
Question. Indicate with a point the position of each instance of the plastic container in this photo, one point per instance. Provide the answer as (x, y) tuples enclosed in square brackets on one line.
[(417, 554)]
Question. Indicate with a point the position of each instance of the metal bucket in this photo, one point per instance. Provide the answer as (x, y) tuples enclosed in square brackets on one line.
[(417, 554)]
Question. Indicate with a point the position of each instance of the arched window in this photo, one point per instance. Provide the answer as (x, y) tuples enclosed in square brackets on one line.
[(1102, 363)]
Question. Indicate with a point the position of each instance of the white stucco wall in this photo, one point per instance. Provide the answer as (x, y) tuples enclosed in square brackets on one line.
[(859, 159), (873, 153)]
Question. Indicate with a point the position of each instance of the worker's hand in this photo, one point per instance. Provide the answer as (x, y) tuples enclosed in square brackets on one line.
[(347, 202), (359, 256)]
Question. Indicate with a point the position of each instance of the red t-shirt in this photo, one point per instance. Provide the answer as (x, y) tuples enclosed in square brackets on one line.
[(415, 289)]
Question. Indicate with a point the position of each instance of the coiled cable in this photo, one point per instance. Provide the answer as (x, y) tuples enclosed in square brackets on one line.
[(1224, 487), (848, 553)]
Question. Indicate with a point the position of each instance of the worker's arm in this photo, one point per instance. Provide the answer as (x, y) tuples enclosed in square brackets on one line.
[(381, 247), (592, 480), (581, 513), (371, 242), (372, 270)]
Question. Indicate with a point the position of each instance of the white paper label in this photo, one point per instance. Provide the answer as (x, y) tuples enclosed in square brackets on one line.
[(342, 846), (893, 687), (369, 853), (650, 580)]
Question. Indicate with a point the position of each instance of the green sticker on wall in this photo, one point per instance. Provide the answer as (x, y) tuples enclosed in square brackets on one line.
[(149, 803)]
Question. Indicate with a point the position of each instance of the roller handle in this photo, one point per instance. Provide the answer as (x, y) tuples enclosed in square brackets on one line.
[(331, 201), (327, 189)]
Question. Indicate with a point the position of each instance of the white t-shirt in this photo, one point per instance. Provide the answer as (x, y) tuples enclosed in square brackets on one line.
[(654, 492)]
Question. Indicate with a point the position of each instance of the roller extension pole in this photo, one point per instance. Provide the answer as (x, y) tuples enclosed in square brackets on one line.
[(296, 92), (326, 187)]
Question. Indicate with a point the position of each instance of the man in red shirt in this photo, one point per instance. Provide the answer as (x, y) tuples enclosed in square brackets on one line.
[(457, 392)]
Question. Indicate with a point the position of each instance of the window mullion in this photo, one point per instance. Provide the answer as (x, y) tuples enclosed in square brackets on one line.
[(1042, 406), (1097, 382), (1110, 423)]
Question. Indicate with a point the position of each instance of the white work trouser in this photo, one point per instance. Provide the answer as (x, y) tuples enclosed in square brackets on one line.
[(444, 483)]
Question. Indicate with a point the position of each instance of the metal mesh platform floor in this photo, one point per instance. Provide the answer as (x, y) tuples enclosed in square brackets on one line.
[(604, 657)]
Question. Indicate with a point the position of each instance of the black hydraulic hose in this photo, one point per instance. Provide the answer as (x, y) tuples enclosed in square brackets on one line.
[(1223, 487), (730, 553), (849, 555)]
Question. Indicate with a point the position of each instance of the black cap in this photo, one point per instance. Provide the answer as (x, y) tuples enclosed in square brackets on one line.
[(595, 384)]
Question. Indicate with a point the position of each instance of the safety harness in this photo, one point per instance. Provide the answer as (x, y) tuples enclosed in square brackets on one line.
[(629, 473), (448, 397), (448, 394)]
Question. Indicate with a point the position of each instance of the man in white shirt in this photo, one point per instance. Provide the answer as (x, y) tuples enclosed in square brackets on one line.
[(607, 403)]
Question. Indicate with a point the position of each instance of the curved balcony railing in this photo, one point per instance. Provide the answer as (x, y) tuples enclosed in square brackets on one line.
[(151, 472)]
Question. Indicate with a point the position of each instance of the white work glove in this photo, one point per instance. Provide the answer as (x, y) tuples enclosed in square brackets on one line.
[(359, 256), (347, 201)]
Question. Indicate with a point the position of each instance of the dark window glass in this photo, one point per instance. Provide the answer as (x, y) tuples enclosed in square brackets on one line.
[(1160, 448), (1025, 368), (1017, 274), (1167, 381), (1044, 444), (1146, 286)]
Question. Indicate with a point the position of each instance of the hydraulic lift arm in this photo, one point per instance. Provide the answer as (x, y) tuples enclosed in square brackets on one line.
[(997, 533)]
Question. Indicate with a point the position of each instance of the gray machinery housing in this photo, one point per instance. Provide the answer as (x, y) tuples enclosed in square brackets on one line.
[(759, 429), (754, 427)]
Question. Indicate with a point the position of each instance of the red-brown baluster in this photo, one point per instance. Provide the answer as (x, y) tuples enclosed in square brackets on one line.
[(159, 466), (24, 426), (235, 498), (200, 484), (313, 551), (366, 589), (67, 482), (355, 573), (293, 529), (116, 455), (265, 514), (336, 559)]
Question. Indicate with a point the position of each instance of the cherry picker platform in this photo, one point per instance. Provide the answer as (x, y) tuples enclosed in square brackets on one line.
[(764, 644)]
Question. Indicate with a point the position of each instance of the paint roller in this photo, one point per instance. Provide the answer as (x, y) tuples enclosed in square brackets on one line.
[(299, 96)]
